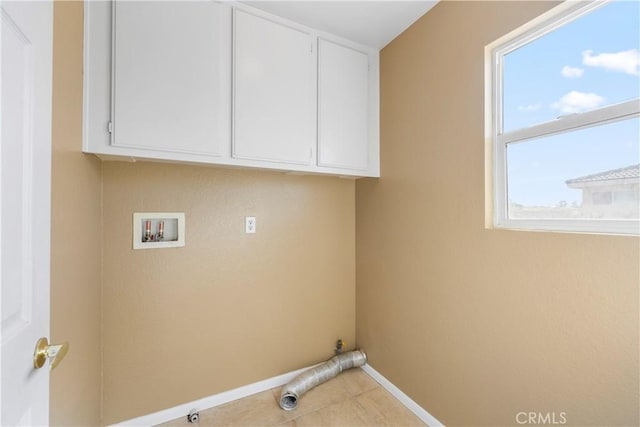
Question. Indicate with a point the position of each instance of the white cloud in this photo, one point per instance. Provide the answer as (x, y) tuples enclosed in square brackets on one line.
[(577, 102), (572, 72), (627, 61), (529, 108)]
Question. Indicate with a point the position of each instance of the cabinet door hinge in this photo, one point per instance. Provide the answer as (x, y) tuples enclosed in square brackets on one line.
[(110, 127)]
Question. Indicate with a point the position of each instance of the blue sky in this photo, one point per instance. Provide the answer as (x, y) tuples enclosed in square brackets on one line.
[(589, 63)]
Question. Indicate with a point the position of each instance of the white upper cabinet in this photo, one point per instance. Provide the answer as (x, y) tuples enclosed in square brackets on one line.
[(223, 83), (171, 76), (273, 115), (343, 106)]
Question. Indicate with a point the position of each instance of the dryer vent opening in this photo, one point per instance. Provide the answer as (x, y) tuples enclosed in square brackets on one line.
[(288, 402)]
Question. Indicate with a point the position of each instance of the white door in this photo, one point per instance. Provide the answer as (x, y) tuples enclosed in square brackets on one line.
[(274, 91), (25, 167)]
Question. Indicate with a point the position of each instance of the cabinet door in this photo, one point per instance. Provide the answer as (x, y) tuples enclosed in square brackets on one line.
[(172, 76), (343, 106), (273, 91)]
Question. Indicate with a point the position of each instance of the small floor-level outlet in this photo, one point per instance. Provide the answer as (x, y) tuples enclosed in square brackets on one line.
[(193, 417)]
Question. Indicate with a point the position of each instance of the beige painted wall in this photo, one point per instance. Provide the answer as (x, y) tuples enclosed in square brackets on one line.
[(474, 324), (75, 235), (228, 309)]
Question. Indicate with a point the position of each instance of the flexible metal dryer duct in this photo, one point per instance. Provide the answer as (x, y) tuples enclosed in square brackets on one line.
[(318, 375)]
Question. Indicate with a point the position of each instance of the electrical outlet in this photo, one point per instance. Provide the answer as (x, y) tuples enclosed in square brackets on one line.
[(250, 224)]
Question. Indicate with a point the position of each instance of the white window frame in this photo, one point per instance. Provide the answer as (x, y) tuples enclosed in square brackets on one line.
[(497, 140)]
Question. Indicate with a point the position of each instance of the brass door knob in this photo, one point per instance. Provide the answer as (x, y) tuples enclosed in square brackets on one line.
[(45, 351)]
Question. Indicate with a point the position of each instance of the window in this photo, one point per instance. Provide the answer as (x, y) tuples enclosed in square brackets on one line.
[(563, 120)]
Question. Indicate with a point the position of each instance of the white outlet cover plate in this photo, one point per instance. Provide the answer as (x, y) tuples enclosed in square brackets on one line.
[(250, 224)]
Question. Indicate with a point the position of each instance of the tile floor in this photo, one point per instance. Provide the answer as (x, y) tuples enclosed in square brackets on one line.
[(352, 398)]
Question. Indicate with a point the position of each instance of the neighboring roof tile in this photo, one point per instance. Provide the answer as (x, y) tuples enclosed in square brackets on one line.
[(621, 173)]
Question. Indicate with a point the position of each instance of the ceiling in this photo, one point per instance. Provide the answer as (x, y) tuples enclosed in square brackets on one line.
[(371, 23)]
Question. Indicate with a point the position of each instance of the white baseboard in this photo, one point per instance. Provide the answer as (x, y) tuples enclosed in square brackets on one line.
[(210, 401), (418, 410), (260, 386)]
